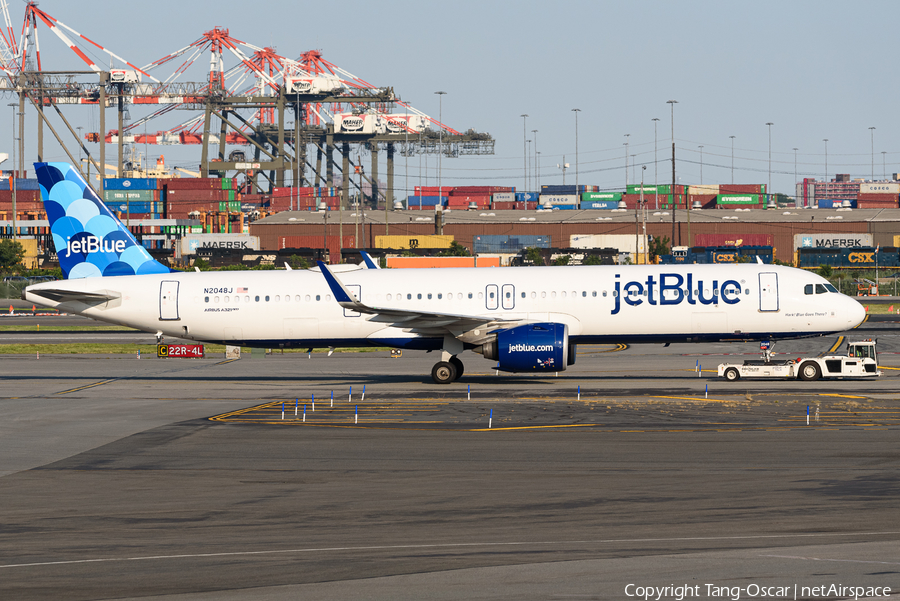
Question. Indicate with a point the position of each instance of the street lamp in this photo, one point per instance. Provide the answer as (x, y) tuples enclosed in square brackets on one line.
[(732, 159), (626, 162), (672, 103), (872, 130), (15, 174), (701, 164), (655, 165), (826, 159), (524, 149), (535, 176), (769, 189), (884, 164), (576, 111), (528, 156), (440, 96)]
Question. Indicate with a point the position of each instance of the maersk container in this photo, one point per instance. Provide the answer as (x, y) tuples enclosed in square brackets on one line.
[(601, 196), (130, 183)]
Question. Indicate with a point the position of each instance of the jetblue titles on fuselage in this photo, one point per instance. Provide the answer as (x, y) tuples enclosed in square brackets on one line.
[(656, 290)]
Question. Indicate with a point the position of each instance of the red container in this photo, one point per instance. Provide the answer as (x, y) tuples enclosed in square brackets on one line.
[(876, 204), (707, 201), (432, 190), (504, 205), (878, 197), (194, 183), (741, 188)]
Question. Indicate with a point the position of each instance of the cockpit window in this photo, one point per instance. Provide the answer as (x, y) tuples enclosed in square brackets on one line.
[(830, 288), (820, 289), (808, 289)]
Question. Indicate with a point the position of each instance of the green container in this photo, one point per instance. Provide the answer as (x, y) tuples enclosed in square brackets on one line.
[(223, 206), (648, 189), (737, 199), (234, 205), (602, 196), (117, 196), (226, 183), (231, 195)]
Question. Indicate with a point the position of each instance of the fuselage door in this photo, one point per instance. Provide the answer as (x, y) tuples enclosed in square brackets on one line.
[(491, 294), (508, 296), (768, 292), (168, 300), (355, 290)]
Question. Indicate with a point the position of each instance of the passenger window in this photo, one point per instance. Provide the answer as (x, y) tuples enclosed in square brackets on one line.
[(523, 295), (388, 297), (553, 295), (206, 299), (584, 293), (267, 299), (287, 298), (543, 295), (604, 294), (226, 299), (508, 295), (492, 295), (318, 297), (328, 297), (307, 298), (257, 299), (440, 296), (564, 294), (480, 295), (808, 289), (409, 297), (534, 295), (820, 289), (277, 298), (216, 299), (429, 296), (470, 295), (746, 291), (419, 296)]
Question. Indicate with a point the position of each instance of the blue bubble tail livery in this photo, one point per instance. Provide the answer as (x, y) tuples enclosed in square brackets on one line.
[(526, 319), (90, 241)]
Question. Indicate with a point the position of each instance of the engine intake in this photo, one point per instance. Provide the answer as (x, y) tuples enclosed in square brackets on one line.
[(531, 347)]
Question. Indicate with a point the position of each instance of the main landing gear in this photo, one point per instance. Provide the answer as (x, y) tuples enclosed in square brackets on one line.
[(449, 368)]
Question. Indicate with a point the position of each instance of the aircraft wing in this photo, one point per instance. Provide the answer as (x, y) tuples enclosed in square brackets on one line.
[(469, 328)]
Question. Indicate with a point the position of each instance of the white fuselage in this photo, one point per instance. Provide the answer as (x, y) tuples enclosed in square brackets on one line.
[(653, 303)]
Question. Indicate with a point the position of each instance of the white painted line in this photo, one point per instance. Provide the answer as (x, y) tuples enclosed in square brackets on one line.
[(447, 546)]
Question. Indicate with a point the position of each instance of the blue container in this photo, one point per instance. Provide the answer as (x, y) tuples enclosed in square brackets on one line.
[(565, 207), (527, 196), (131, 183), (427, 201), (559, 189), (21, 184), (135, 206), (600, 204), (835, 203)]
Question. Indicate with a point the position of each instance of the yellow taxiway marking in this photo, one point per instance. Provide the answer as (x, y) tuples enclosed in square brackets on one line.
[(836, 345), (891, 368), (843, 396), (687, 398), (88, 386), (226, 361)]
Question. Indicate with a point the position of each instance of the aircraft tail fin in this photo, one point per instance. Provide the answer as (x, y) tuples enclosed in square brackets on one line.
[(90, 240)]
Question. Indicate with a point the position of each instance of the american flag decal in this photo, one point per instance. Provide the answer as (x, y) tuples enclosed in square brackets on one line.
[(241, 290)]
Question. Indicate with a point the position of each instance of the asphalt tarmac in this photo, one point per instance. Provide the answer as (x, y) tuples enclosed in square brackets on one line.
[(180, 479)]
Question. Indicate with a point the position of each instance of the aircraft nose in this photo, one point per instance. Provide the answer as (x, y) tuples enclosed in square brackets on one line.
[(855, 312)]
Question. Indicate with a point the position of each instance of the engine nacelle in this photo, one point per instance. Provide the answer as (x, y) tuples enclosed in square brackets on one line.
[(531, 347)]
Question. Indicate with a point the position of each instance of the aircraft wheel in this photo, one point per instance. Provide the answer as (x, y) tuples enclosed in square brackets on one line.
[(459, 367), (810, 371), (443, 372), (732, 374)]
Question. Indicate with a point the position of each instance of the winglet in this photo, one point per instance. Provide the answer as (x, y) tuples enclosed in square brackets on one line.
[(370, 263), (343, 296)]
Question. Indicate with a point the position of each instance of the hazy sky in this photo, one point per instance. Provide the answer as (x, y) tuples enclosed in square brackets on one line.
[(815, 70)]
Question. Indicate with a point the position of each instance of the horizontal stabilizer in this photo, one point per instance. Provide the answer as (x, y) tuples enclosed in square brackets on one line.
[(63, 296)]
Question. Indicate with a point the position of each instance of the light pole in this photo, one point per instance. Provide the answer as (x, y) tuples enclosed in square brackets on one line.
[(535, 175), (626, 162), (440, 96), (732, 159), (701, 164), (15, 174), (655, 165), (769, 188), (528, 155), (826, 159), (884, 164), (524, 149), (872, 130), (795, 174), (537, 163), (672, 103), (576, 111)]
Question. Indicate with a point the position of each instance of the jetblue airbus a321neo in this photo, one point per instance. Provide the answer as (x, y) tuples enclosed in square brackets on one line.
[(527, 319)]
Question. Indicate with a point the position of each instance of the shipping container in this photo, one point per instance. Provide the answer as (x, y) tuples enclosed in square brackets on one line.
[(703, 189), (20, 183), (426, 201), (407, 242), (565, 207), (602, 196), (734, 240), (624, 243), (558, 189), (600, 204), (662, 189), (836, 203), (527, 196), (117, 196), (193, 183), (428, 262), (549, 198), (880, 188), (191, 243), (705, 201), (738, 199), (832, 240), (137, 206), (503, 205), (742, 188), (503, 197), (131, 183), (501, 243), (876, 204)]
